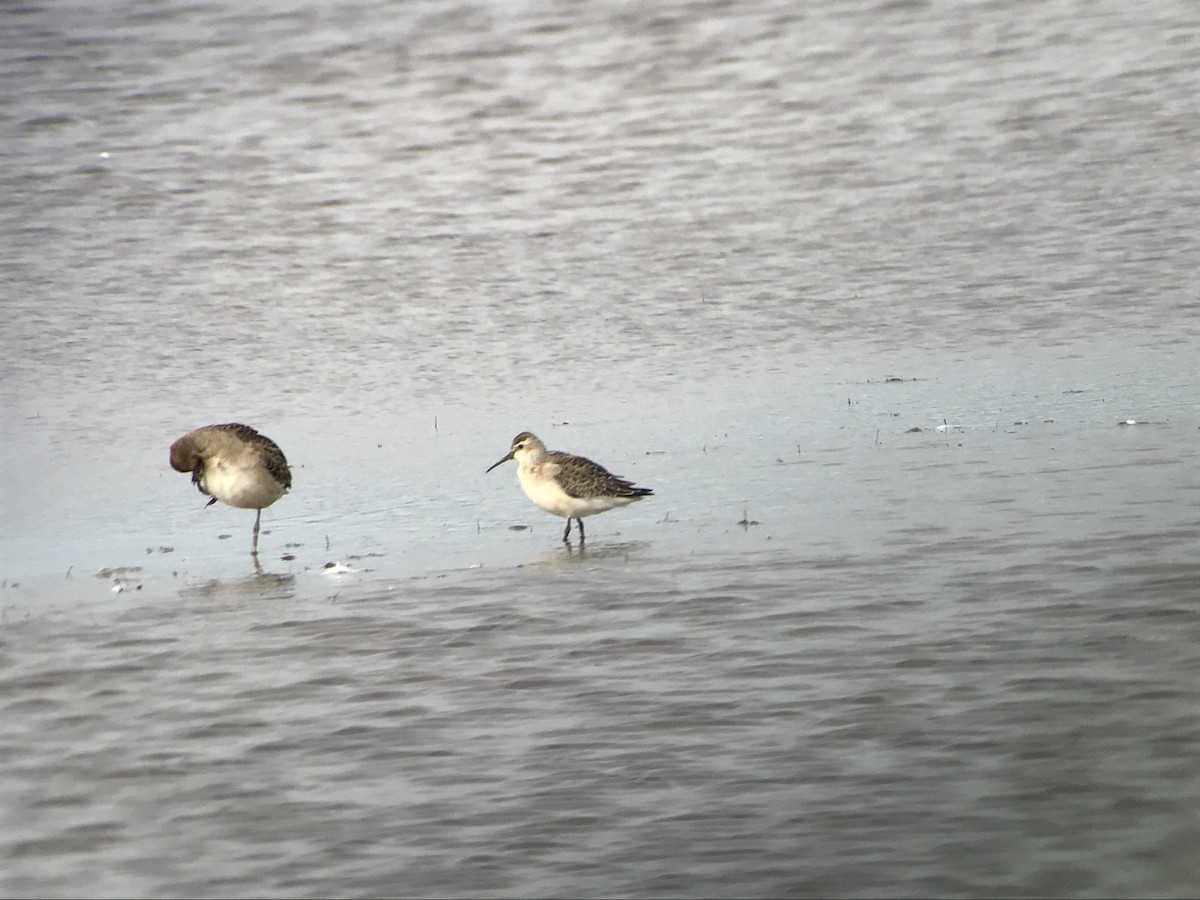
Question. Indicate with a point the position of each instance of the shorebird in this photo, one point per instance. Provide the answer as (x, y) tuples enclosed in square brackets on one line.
[(235, 464), (567, 485)]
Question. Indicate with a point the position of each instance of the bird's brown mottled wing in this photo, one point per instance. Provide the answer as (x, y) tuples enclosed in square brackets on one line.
[(580, 477), (276, 462)]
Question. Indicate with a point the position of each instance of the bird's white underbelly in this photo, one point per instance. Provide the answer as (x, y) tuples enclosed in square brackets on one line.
[(546, 494), (243, 488)]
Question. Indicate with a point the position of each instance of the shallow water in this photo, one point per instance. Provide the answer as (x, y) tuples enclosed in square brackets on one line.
[(864, 293)]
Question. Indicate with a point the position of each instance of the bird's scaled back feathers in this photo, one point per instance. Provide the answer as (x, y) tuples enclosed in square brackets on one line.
[(581, 477)]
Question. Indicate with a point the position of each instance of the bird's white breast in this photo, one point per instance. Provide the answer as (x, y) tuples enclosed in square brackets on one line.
[(244, 487), (540, 486)]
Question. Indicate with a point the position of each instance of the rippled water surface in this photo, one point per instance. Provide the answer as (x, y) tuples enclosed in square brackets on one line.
[(895, 306)]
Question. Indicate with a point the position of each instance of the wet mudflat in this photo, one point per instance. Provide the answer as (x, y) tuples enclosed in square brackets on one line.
[(910, 613)]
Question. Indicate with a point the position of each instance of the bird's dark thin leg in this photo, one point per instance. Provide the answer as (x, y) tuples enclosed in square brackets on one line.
[(567, 532), (580, 521), (254, 544)]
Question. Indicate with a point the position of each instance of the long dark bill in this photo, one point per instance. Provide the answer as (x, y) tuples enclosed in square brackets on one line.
[(499, 462)]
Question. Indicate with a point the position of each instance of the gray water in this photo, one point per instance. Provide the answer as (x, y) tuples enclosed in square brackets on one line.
[(866, 291)]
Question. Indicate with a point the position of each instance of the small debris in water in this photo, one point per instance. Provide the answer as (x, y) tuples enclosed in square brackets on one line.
[(517, 527), (336, 568), (122, 577)]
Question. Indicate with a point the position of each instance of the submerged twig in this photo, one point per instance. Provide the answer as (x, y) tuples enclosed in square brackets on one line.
[(746, 520)]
